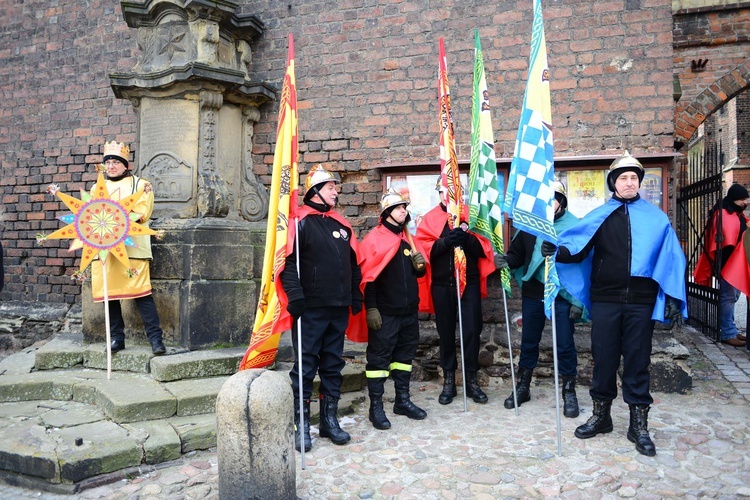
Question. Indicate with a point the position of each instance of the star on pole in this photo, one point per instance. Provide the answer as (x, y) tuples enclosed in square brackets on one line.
[(99, 225)]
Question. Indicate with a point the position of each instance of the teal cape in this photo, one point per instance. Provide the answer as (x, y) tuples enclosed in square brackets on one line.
[(656, 253)]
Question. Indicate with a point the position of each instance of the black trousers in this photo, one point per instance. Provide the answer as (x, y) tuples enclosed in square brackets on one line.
[(149, 315), (391, 349), (446, 316), (323, 331), (621, 330)]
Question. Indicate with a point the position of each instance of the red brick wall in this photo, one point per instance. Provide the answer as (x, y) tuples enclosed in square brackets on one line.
[(366, 78)]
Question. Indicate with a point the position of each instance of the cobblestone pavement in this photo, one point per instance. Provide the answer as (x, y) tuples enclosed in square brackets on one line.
[(702, 440)]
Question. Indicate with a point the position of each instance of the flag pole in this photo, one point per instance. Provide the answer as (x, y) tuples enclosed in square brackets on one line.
[(299, 358), (461, 337), (510, 351), (106, 320), (557, 382)]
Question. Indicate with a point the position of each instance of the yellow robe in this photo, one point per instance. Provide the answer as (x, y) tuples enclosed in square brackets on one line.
[(120, 284)]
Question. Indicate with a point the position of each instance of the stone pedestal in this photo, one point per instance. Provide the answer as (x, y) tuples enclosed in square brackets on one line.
[(255, 437), (203, 277)]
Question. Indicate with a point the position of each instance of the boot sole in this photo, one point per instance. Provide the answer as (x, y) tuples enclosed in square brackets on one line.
[(512, 405), (325, 434), (405, 414), (606, 430)]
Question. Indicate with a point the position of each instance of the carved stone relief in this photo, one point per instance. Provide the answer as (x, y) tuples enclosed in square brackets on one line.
[(171, 177), (254, 196)]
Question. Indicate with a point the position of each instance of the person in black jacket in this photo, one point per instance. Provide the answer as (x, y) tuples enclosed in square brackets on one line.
[(623, 261), (525, 258), (327, 286), (390, 268)]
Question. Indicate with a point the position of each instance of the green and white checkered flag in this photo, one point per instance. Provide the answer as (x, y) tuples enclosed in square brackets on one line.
[(485, 192)]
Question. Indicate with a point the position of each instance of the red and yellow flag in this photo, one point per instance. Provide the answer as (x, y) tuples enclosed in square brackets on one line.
[(452, 196), (271, 317)]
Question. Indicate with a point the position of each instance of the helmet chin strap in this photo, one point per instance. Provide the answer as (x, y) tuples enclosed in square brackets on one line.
[(320, 197)]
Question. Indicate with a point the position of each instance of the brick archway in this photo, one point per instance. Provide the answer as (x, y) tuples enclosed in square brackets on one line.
[(709, 100)]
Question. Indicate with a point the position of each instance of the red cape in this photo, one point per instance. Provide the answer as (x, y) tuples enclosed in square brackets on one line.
[(303, 212), (730, 229), (428, 231), (737, 269), (377, 250)]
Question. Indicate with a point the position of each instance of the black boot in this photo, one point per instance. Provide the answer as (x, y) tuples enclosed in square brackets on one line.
[(600, 422), (302, 430), (473, 390), (377, 413), (523, 393), (449, 387), (403, 404), (638, 430), (329, 422), (570, 400)]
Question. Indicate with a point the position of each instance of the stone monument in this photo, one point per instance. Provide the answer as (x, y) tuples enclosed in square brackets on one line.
[(196, 105)]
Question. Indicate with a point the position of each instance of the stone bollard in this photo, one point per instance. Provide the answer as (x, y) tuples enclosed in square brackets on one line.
[(255, 437)]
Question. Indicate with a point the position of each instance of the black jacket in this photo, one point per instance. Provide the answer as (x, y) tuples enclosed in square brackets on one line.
[(329, 273), (441, 259), (395, 291), (610, 271), (519, 255)]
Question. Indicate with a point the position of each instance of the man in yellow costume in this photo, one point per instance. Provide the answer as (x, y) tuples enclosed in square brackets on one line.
[(133, 283)]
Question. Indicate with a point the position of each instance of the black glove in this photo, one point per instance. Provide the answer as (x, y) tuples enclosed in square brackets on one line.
[(451, 240), (296, 308), (501, 261), (356, 307), (672, 311), (548, 249), (461, 236), (417, 260), (374, 321), (575, 312)]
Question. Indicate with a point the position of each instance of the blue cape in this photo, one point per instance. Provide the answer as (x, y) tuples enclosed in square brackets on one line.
[(656, 253), (536, 264)]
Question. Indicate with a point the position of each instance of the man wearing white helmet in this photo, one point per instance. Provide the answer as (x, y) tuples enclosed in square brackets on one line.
[(391, 264), (525, 258), (623, 261), (321, 293)]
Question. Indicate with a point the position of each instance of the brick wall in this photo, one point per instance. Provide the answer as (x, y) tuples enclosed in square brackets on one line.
[(366, 75)]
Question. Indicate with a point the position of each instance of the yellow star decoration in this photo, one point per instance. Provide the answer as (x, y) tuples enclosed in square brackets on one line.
[(100, 225)]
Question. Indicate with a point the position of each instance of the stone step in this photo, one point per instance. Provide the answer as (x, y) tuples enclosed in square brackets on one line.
[(150, 410)]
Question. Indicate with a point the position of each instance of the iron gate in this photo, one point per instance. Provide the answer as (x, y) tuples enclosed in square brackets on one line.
[(703, 191)]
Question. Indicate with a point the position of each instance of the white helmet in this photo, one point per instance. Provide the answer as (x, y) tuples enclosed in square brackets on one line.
[(390, 199), (317, 175)]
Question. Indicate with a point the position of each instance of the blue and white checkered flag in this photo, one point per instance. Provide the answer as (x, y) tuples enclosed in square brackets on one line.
[(530, 190)]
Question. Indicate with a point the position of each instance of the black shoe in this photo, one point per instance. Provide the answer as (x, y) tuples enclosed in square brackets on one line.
[(449, 388), (638, 430), (523, 391), (405, 406), (377, 414), (117, 345), (473, 390), (600, 422), (329, 423), (157, 347), (302, 429), (570, 400)]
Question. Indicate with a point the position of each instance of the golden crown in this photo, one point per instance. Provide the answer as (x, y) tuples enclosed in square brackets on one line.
[(119, 149)]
